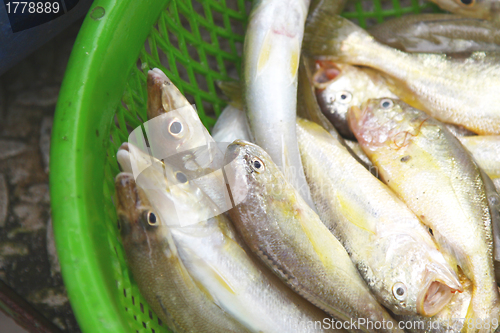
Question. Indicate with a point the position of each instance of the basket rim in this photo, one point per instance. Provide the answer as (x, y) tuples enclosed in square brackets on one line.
[(101, 60)]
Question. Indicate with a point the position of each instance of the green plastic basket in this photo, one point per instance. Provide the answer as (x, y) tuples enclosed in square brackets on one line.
[(103, 97)]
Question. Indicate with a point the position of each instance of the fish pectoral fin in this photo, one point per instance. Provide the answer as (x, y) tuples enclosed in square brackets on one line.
[(294, 59), (271, 52), (354, 215), (265, 52), (217, 276), (204, 290)]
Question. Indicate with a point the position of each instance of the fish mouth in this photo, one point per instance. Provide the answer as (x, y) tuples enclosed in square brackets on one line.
[(233, 150), (123, 158), (236, 171), (126, 192), (363, 129), (133, 160), (326, 73), (131, 203), (355, 113), (156, 80), (124, 146), (163, 95), (358, 113), (437, 293)]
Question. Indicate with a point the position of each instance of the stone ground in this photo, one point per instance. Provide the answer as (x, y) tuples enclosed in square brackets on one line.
[(28, 261)]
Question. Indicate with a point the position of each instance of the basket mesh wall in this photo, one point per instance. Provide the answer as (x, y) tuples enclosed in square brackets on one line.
[(195, 43)]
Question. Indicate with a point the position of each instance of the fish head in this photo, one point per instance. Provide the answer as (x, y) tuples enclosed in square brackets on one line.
[(336, 93), (480, 9), (156, 81), (130, 156), (174, 125), (386, 122), (163, 95), (146, 169), (177, 131), (416, 278), (340, 87), (251, 173), (173, 190), (138, 222), (438, 287)]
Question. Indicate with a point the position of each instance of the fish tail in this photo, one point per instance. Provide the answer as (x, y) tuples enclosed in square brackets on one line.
[(328, 35)]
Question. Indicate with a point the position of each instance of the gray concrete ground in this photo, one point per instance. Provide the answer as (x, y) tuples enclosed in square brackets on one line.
[(8, 325), (28, 262)]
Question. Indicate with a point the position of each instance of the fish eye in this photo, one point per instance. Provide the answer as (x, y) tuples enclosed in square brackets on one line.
[(175, 128), (494, 201), (343, 97), (152, 220), (467, 2), (257, 164), (181, 178), (399, 291), (386, 103)]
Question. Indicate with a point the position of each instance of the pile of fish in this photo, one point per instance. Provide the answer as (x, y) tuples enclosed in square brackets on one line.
[(350, 185)]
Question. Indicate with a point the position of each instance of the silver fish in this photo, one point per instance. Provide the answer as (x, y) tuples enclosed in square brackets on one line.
[(289, 237), (494, 205), (433, 83), (307, 103), (437, 33), (270, 63), (428, 168), (340, 86), (392, 250), (162, 278), (218, 262), (481, 9), (173, 127)]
